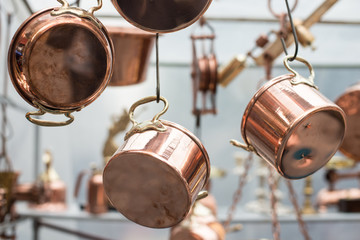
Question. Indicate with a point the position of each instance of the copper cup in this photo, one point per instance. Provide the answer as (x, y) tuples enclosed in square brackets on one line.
[(156, 175), (292, 126), (132, 50), (349, 102)]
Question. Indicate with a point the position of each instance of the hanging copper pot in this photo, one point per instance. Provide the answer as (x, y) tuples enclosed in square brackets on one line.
[(156, 175), (60, 60), (162, 15), (291, 125), (132, 54), (349, 102)]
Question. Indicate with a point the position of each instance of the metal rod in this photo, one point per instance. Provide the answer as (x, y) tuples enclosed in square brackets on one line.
[(255, 20), (69, 231), (28, 7), (157, 69)]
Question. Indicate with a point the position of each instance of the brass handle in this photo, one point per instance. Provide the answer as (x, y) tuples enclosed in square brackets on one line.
[(65, 4), (298, 79), (248, 148), (42, 110), (202, 194), (154, 124)]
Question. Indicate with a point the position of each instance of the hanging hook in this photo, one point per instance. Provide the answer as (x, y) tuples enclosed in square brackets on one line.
[(157, 69), (293, 32)]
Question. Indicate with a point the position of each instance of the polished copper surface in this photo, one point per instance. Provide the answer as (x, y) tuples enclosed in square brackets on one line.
[(161, 15), (204, 72), (349, 102), (62, 62), (155, 176), (293, 127), (132, 50)]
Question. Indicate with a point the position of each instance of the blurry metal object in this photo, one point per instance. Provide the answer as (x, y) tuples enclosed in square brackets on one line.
[(217, 172), (53, 189), (60, 60), (119, 124), (349, 101), (338, 163), (308, 193), (327, 198), (96, 198), (229, 71), (274, 49), (156, 175), (305, 37), (284, 124), (163, 15), (132, 50), (8, 181), (204, 70)]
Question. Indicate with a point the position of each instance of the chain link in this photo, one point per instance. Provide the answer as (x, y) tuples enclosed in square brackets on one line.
[(302, 225), (238, 193), (273, 201)]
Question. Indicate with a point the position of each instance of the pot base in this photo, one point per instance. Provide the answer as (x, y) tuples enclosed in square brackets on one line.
[(146, 190)]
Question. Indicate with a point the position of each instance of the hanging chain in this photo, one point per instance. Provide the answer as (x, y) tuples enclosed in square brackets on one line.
[(238, 193), (157, 69), (300, 220), (294, 34), (273, 201)]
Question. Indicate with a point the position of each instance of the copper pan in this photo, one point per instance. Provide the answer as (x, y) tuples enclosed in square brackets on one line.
[(161, 15), (156, 175), (132, 54), (349, 101), (60, 60), (291, 125)]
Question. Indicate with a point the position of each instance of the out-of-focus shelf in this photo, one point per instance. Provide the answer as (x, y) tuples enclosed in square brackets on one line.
[(73, 212)]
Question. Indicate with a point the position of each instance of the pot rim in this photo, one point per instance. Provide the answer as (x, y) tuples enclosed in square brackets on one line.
[(128, 31)]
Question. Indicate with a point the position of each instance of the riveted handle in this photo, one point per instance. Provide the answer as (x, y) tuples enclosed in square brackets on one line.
[(248, 148), (202, 194), (65, 4), (42, 110), (153, 124), (298, 79)]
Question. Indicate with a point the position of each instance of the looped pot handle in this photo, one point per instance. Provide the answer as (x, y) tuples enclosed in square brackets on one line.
[(65, 4), (42, 110), (153, 124), (298, 79)]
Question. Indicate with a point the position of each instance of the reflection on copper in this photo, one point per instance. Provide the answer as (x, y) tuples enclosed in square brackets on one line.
[(161, 15), (349, 102), (62, 62), (285, 123), (154, 177)]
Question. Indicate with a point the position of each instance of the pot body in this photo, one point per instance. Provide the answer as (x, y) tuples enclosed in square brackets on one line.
[(132, 54), (97, 202), (349, 103), (155, 176), (60, 61), (163, 15), (293, 127)]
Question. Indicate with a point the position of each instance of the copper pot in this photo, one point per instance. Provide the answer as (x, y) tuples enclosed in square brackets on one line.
[(60, 60), (292, 126), (349, 102), (132, 54), (156, 175), (161, 15)]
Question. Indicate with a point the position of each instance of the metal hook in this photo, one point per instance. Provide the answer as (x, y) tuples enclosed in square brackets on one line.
[(157, 69), (293, 32)]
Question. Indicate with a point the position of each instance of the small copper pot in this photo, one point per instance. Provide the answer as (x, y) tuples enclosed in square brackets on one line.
[(161, 15), (156, 175), (349, 101), (132, 54), (60, 60), (292, 126)]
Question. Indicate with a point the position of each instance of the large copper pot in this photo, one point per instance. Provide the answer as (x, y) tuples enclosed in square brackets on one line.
[(161, 15), (132, 54), (60, 60), (349, 102), (292, 126), (156, 175)]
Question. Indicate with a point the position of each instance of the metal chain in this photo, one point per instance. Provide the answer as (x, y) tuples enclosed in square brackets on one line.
[(273, 201), (302, 225), (238, 193)]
